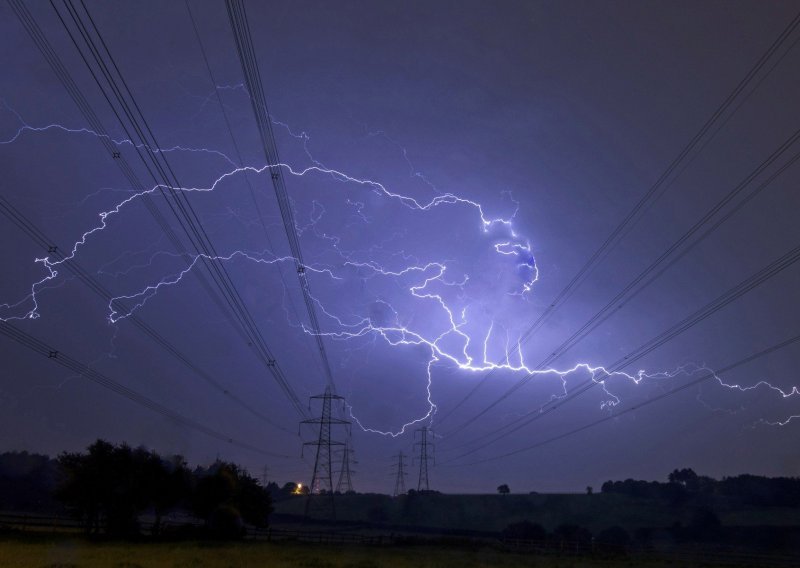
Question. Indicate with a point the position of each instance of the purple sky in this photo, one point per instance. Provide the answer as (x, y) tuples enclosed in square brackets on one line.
[(473, 147)]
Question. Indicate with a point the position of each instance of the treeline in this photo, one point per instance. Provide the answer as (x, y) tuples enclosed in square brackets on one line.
[(110, 487), (684, 485)]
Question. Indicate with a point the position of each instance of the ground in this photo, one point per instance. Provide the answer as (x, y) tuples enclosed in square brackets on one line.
[(495, 512), (23, 552)]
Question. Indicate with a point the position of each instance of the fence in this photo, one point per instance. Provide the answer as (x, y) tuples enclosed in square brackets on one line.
[(319, 537), (31, 522)]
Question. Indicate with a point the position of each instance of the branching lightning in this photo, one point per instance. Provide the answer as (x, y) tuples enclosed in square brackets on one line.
[(434, 284)]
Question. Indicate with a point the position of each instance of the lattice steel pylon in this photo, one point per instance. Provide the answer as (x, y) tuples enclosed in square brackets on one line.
[(322, 478), (400, 480), (345, 483), (424, 456)]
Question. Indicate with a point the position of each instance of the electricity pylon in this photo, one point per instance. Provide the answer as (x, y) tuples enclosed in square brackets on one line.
[(322, 478), (424, 456), (345, 483), (400, 480)]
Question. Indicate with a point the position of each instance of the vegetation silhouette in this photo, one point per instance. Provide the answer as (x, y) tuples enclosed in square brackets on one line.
[(120, 491), (110, 486)]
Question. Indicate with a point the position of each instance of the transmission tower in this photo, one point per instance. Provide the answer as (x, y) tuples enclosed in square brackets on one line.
[(320, 494), (345, 483), (424, 445), (400, 480), (265, 476)]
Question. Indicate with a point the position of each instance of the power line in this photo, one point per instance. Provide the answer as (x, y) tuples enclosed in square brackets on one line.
[(166, 181), (738, 290), (47, 51), (38, 236), (631, 290), (745, 286), (252, 75), (651, 195), (250, 188), (58, 356), (739, 363)]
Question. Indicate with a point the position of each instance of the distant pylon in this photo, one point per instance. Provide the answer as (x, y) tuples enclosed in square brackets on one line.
[(424, 456), (345, 483), (265, 476), (322, 478), (400, 480)]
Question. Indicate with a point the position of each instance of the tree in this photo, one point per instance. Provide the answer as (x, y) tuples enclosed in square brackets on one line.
[(226, 496), (86, 485), (110, 486), (254, 501), (108, 483), (686, 477), (171, 482), (503, 489), (589, 490)]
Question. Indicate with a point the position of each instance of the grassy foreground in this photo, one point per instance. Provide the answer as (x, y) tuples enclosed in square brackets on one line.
[(76, 553)]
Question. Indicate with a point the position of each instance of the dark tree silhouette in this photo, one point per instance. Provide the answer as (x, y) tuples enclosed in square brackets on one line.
[(109, 483), (85, 484), (255, 502), (110, 486), (684, 476), (226, 497), (171, 483), (503, 489)]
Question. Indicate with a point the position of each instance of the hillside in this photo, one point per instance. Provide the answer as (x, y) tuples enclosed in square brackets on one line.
[(494, 512)]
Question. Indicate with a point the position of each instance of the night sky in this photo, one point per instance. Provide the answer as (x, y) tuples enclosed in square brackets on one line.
[(451, 167)]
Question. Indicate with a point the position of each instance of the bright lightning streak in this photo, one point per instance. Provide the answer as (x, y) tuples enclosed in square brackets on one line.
[(423, 281)]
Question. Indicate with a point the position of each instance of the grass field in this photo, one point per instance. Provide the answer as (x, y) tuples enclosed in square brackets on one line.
[(77, 553)]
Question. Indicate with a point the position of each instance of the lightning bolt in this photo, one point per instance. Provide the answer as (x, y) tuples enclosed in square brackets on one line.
[(435, 284)]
